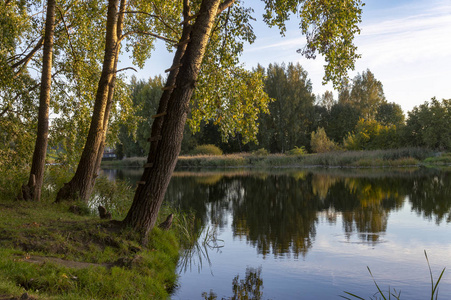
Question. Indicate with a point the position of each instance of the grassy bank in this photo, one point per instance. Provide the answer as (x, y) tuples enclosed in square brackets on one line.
[(51, 253), (378, 158)]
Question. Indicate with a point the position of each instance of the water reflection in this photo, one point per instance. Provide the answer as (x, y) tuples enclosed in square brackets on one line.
[(313, 231), (248, 288), (278, 213)]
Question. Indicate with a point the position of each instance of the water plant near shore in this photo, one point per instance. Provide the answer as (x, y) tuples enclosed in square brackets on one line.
[(387, 295)]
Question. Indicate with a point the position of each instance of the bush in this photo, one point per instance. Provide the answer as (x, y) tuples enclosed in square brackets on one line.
[(320, 142), (206, 150), (261, 152), (370, 135), (297, 151)]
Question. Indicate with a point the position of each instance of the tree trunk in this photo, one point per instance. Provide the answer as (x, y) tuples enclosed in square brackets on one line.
[(119, 28), (32, 190), (80, 185), (165, 146)]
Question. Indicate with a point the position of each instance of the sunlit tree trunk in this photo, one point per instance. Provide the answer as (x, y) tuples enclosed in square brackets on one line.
[(32, 190), (80, 185), (167, 130), (120, 26)]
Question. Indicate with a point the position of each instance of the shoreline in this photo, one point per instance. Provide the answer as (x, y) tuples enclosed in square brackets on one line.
[(409, 157)]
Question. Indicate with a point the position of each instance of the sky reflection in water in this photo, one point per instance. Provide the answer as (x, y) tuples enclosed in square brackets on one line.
[(312, 233)]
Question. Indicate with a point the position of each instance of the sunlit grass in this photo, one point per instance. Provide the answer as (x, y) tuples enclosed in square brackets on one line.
[(85, 257)]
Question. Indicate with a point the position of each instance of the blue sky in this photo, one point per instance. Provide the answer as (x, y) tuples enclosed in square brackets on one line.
[(406, 44)]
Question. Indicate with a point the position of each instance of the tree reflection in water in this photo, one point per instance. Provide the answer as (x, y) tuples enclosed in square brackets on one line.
[(278, 213), (245, 289)]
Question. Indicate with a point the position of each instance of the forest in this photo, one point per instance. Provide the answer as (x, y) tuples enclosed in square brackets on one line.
[(64, 100), (360, 119)]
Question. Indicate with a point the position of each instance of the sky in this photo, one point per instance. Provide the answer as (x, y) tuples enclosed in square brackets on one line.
[(405, 44)]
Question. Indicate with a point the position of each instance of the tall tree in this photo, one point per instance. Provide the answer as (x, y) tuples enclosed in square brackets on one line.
[(430, 125), (366, 94), (335, 25), (80, 185), (141, 36), (287, 124), (342, 119), (111, 88), (326, 100), (32, 191), (390, 114)]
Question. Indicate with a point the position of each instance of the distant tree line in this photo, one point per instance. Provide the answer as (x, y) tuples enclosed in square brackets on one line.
[(360, 119)]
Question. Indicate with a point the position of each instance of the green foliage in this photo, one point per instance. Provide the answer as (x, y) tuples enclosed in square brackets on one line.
[(114, 196), (320, 143), (231, 98), (206, 150), (135, 129), (341, 120), (370, 135), (442, 159), (329, 27), (298, 151), (260, 152), (429, 125), (390, 114), (287, 124), (365, 94)]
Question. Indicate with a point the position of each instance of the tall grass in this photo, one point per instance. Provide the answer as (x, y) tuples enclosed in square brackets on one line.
[(397, 294), (376, 158)]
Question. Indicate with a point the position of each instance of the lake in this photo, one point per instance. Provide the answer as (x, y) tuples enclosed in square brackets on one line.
[(311, 233)]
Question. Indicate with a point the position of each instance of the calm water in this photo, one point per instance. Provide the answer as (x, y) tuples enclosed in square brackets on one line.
[(310, 234)]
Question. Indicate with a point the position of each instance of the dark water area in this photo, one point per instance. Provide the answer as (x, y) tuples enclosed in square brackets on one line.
[(310, 234)]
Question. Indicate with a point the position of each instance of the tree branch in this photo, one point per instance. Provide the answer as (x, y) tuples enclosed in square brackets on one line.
[(152, 16), (147, 33), (24, 61), (67, 32), (5, 110), (224, 5), (186, 9), (128, 68)]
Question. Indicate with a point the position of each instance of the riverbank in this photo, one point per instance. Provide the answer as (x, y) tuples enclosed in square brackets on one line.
[(49, 252), (378, 158)]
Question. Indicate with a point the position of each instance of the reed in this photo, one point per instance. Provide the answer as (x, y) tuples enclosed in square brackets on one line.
[(375, 158), (397, 294)]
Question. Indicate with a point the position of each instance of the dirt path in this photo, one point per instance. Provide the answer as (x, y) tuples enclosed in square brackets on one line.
[(66, 263)]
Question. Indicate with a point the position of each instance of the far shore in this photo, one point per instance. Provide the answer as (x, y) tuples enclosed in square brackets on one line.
[(408, 157)]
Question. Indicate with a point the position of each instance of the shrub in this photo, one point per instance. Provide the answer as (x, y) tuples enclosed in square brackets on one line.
[(320, 142), (261, 152), (297, 151), (370, 135), (206, 150)]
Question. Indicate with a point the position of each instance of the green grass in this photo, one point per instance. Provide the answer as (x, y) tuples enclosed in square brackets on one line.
[(441, 159), (85, 257)]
